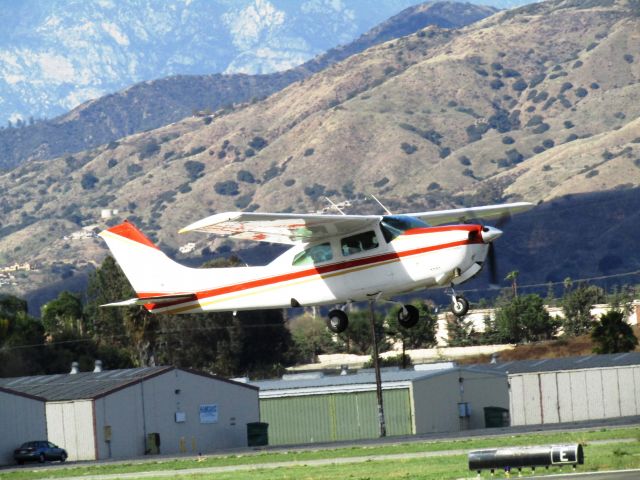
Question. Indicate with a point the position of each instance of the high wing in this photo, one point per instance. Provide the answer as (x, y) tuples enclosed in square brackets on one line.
[(287, 228), (496, 212)]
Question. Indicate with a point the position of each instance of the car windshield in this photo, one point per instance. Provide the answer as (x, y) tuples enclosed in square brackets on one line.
[(395, 225)]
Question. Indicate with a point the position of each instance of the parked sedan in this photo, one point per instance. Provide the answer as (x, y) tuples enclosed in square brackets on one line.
[(39, 451)]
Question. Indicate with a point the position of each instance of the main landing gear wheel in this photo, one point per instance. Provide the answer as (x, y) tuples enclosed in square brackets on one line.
[(460, 306), (408, 316), (337, 321)]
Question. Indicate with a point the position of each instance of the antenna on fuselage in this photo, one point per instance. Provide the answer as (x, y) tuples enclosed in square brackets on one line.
[(334, 205), (380, 203)]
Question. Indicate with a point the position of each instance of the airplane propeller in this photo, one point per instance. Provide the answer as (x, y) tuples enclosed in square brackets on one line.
[(493, 265)]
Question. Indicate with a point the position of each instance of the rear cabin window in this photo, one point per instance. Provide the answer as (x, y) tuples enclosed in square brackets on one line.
[(359, 243), (393, 226), (315, 254)]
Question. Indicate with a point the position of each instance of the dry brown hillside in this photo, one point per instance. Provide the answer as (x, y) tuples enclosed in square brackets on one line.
[(530, 103)]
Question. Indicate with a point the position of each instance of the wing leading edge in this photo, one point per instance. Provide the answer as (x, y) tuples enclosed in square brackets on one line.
[(295, 228), (287, 228)]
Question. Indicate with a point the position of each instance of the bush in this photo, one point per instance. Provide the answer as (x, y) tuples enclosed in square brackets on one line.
[(289, 182), (507, 140), (243, 201), (543, 127), (381, 183), (568, 124), (566, 86), (594, 86), (591, 46), (112, 163), (195, 151), (514, 156), (88, 181), (258, 143), (496, 84), (149, 149), (245, 176), (591, 173), (571, 138), (548, 143), (445, 152), (511, 73), (581, 92), (475, 132), (537, 79), (308, 152), (578, 64), (193, 168), (433, 186), (535, 120), (229, 188), (628, 58), (207, 120), (496, 66), (464, 160), (408, 148), (519, 85), (133, 169), (538, 149), (314, 191), (249, 152)]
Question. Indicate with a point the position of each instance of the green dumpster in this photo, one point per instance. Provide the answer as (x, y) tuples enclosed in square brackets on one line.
[(496, 417), (257, 434)]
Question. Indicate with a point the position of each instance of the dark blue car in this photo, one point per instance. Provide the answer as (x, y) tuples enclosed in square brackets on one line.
[(39, 451)]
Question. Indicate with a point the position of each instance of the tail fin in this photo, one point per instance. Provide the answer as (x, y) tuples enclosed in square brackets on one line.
[(150, 272)]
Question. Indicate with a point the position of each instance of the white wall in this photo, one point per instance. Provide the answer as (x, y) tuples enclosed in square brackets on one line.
[(574, 395), (70, 426), (21, 419), (436, 399), (151, 406)]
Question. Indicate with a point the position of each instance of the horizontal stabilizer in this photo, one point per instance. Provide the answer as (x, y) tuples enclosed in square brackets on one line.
[(158, 300)]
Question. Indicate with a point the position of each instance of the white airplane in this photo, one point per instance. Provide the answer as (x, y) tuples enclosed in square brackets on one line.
[(333, 260)]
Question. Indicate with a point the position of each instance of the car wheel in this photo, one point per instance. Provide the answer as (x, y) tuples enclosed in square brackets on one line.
[(41, 458), (63, 457)]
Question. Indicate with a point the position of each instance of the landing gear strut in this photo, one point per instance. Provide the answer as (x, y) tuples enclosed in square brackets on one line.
[(459, 304)]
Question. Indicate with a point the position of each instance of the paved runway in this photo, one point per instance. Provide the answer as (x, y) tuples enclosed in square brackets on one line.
[(611, 475)]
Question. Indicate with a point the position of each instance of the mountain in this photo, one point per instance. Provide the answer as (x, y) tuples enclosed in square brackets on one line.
[(538, 103), (152, 104), (57, 54)]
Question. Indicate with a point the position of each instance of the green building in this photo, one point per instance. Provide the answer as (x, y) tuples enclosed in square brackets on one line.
[(309, 408)]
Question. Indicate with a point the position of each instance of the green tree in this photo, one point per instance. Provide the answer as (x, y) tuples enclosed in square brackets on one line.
[(513, 278), (65, 313), (461, 332), (421, 335), (311, 337), (524, 319), (131, 328), (576, 305), (357, 338), (612, 334), (21, 339)]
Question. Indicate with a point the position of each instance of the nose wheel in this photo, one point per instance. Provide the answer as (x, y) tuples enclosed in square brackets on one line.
[(459, 304)]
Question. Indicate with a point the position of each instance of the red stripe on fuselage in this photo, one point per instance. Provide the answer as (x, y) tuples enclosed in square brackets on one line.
[(332, 268)]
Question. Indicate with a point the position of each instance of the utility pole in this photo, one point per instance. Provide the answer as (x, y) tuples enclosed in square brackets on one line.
[(376, 366)]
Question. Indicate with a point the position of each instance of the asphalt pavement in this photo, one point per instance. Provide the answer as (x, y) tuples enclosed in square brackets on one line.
[(610, 475)]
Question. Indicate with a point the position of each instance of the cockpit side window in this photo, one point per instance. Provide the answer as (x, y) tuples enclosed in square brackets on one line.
[(359, 243), (315, 254), (393, 226)]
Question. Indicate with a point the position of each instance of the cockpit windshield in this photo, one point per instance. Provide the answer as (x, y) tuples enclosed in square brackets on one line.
[(393, 226)]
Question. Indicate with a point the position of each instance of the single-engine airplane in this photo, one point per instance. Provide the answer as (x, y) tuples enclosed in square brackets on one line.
[(333, 260)]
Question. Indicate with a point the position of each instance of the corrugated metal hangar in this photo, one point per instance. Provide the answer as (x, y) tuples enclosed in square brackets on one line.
[(572, 389), (304, 409), (126, 413)]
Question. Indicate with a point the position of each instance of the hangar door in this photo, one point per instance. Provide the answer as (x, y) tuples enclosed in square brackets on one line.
[(334, 417)]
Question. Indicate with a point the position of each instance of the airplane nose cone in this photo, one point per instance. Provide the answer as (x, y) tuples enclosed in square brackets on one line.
[(489, 234)]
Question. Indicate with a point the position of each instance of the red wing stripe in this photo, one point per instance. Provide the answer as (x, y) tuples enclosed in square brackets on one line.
[(326, 269), (128, 230)]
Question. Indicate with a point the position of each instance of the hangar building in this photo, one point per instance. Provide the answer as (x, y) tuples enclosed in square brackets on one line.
[(572, 389), (307, 408), (126, 413)]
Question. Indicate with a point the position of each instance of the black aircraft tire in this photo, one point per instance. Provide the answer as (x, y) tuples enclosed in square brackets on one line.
[(337, 321), (460, 307), (410, 318)]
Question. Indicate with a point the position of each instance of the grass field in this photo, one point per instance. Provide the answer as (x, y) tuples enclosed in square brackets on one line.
[(361, 462)]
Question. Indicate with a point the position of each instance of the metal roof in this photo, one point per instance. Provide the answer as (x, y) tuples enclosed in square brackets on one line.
[(362, 378), (84, 385), (559, 364)]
